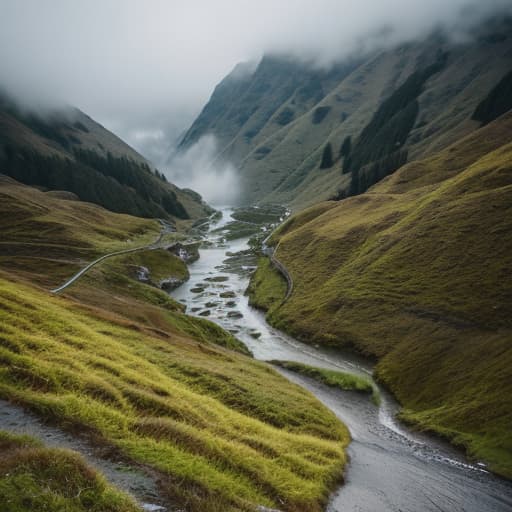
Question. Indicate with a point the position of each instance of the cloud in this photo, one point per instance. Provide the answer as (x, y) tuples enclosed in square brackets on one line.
[(150, 65), (199, 169)]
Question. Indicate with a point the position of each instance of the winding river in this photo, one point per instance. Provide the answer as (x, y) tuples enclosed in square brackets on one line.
[(391, 468)]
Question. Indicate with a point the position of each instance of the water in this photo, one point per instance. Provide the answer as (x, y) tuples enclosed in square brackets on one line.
[(391, 468)]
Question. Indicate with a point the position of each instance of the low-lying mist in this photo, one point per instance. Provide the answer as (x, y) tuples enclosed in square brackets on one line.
[(199, 168)]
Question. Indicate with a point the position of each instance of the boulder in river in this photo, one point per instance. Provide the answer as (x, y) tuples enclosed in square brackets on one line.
[(170, 283), (217, 279)]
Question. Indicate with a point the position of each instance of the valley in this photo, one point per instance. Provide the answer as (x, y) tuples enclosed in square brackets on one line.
[(281, 288)]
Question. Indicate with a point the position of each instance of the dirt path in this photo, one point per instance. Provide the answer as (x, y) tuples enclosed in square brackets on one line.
[(143, 487)]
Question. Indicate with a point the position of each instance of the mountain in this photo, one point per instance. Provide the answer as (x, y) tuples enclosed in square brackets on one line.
[(415, 273), (276, 121), (67, 150)]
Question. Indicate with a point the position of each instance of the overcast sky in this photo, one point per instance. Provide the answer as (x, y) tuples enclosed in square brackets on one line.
[(144, 68)]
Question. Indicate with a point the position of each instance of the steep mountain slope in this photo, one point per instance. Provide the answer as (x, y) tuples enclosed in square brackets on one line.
[(416, 273), (118, 360), (67, 150), (431, 88), (253, 102)]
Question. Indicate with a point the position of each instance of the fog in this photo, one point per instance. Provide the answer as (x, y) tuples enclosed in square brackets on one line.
[(145, 68), (199, 169)]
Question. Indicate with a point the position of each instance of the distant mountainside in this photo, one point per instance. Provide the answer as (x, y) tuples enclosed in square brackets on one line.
[(67, 150), (299, 135)]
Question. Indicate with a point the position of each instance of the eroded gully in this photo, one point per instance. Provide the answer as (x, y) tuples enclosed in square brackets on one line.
[(391, 468)]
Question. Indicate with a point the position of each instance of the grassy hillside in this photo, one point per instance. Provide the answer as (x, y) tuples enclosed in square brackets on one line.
[(67, 150), (210, 421), (37, 478), (116, 359), (280, 161), (47, 239), (415, 272)]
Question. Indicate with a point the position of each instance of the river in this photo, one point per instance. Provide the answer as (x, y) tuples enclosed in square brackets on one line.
[(391, 467)]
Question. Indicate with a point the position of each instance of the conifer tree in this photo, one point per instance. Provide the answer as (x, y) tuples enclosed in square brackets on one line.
[(327, 161)]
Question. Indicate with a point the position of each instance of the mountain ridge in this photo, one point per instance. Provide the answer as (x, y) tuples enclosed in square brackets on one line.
[(280, 163)]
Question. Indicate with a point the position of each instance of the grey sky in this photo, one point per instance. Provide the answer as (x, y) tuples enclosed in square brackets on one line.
[(144, 68)]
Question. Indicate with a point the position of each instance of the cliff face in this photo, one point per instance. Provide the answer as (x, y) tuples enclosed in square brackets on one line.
[(274, 120)]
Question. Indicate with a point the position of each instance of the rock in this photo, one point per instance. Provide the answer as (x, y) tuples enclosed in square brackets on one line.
[(211, 304), (186, 252), (217, 279), (234, 314), (206, 312), (255, 335), (227, 295), (230, 304), (197, 289), (170, 283), (142, 273)]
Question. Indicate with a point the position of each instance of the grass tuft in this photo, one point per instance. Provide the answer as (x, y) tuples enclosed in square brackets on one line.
[(33, 477), (333, 378)]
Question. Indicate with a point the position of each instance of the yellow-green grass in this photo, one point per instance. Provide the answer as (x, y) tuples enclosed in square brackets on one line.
[(48, 239), (417, 272), (161, 264), (225, 431), (267, 287), (113, 291), (333, 378), (35, 478)]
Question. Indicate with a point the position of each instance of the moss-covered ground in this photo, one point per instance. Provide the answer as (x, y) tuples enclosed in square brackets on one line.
[(267, 288), (417, 273), (35, 478)]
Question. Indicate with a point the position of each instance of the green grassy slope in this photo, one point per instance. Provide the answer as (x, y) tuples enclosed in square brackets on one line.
[(33, 477), (416, 272), (267, 288), (118, 360), (47, 239), (223, 429)]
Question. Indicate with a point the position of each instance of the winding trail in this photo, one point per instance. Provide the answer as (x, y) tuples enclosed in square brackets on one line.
[(280, 267), (166, 228), (284, 272)]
